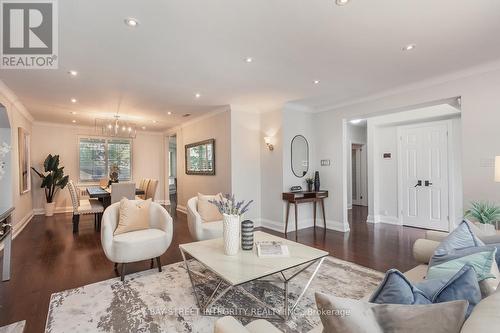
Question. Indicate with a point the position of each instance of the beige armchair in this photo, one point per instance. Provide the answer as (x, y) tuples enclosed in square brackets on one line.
[(199, 229), (136, 245)]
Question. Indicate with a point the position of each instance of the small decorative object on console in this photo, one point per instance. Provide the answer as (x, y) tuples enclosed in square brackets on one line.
[(231, 211), (247, 235), (297, 188), (310, 182), (316, 181)]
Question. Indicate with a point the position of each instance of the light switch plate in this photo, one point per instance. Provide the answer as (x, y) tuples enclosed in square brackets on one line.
[(325, 162)]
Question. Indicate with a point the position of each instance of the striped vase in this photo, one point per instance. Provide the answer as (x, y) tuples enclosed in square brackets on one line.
[(247, 235)]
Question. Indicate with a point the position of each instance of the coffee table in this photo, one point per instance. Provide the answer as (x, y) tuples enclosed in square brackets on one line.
[(234, 271)]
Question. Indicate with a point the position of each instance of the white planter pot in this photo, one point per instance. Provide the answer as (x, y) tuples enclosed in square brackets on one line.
[(49, 208), (231, 234), (487, 229)]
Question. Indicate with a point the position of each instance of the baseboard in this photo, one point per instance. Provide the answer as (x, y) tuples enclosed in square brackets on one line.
[(182, 209), (303, 224), (57, 210), (19, 226), (387, 219)]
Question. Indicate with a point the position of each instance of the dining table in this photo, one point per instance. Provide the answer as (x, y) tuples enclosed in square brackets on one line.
[(104, 194)]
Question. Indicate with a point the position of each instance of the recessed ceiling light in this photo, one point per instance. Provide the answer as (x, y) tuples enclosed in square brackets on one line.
[(342, 2), (197, 95), (249, 59), (73, 112), (316, 81), (356, 121), (131, 22), (73, 72), (409, 47), (143, 127), (73, 100), (73, 121), (155, 121), (169, 113)]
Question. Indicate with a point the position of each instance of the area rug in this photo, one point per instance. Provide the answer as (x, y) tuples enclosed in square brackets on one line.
[(150, 301)]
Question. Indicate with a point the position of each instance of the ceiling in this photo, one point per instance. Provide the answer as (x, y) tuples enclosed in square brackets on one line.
[(184, 47)]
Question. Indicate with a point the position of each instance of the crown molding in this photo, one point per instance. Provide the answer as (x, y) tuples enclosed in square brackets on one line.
[(437, 80), (207, 115), (14, 101)]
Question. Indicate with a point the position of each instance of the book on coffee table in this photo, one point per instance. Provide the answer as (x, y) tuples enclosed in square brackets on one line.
[(271, 249)]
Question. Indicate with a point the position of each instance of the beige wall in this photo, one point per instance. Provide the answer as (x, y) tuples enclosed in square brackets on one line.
[(18, 117), (147, 158), (217, 126)]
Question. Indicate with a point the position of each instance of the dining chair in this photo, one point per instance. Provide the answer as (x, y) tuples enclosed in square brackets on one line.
[(151, 191), (121, 190), (143, 185), (84, 207)]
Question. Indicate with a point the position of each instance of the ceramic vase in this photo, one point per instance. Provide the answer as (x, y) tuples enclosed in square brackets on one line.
[(316, 181), (231, 234), (247, 235), (49, 208), (487, 229)]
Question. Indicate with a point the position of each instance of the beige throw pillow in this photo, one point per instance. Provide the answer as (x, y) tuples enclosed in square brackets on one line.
[(208, 211), (134, 215)]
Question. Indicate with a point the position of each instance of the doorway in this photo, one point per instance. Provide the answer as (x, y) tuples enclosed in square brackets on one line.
[(172, 173), (359, 174), (424, 175)]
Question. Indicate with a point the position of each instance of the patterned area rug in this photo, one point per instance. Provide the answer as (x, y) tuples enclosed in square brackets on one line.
[(150, 301)]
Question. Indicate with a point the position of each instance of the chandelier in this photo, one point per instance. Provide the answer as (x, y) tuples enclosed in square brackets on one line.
[(115, 127)]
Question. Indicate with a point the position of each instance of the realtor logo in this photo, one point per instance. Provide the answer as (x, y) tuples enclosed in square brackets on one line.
[(29, 34)]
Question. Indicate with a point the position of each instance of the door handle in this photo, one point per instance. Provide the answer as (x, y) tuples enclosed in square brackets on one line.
[(428, 183), (419, 183)]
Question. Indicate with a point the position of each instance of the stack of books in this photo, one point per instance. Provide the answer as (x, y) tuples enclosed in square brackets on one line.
[(272, 249)]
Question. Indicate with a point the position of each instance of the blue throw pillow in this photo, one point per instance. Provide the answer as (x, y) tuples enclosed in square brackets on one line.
[(460, 238), (462, 286), (396, 289), (448, 264)]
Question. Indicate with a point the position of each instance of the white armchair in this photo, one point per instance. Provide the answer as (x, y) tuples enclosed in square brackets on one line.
[(199, 229), (136, 245)]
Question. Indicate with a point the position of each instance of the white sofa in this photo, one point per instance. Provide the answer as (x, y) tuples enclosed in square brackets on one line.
[(485, 317), (199, 229), (136, 245)]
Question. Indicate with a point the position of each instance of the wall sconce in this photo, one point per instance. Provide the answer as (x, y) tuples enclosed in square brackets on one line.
[(269, 142)]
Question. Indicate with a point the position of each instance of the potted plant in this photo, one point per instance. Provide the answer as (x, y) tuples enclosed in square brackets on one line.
[(485, 214), (309, 182), (53, 179), (231, 211)]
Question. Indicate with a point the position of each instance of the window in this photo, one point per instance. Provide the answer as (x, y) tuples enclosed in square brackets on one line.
[(98, 155)]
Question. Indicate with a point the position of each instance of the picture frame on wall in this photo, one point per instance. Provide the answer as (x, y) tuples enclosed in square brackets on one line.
[(200, 158), (24, 138)]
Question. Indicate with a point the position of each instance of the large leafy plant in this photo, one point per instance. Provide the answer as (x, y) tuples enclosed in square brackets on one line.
[(483, 212), (53, 178)]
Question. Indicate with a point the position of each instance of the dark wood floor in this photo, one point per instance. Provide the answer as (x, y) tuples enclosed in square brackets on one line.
[(48, 257)]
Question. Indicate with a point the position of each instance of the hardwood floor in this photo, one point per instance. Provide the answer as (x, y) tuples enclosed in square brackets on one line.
[(47, 257)]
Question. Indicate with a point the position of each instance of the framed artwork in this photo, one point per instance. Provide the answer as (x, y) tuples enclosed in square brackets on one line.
[(24, 161), (200, 158)]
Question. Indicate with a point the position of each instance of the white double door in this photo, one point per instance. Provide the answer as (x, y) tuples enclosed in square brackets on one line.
[(423, 174)]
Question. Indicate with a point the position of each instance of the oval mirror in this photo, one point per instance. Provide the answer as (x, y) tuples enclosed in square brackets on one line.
[(300, 156)]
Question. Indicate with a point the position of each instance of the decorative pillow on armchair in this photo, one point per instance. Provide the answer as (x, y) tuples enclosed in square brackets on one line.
[(134, 215), (208, 211)]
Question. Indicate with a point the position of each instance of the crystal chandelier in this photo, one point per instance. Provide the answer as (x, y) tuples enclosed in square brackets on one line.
[(115, 127)]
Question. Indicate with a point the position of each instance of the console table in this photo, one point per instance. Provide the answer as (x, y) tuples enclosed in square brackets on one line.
[(6, 240), (301, 197)]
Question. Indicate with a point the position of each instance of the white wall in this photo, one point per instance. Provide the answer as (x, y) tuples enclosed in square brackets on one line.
[(18, 117), (218, 127), (271, 169), (246, 142), (148, 159)]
